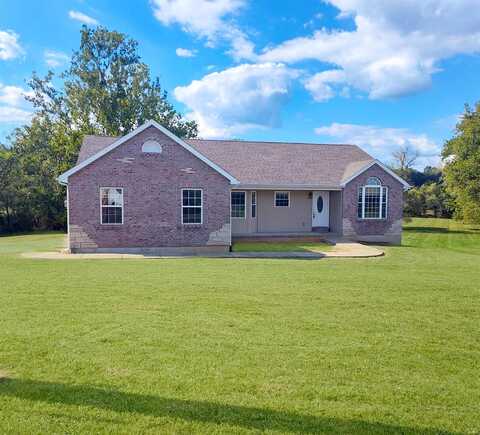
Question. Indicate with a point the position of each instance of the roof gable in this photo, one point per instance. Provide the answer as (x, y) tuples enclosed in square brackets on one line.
[(361, 170), (107, 147)]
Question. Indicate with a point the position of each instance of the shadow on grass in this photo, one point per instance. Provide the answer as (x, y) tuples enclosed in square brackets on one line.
[(194, 411), (435, 230)]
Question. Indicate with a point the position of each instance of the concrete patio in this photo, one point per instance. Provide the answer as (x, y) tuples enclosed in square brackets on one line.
[(340, 249)]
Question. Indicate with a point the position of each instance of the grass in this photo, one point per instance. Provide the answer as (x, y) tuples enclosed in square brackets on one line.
[(380, 345), (280, 246), (37, 242)]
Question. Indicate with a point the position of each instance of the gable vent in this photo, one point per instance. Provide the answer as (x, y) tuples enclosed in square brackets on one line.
[(152, 147)]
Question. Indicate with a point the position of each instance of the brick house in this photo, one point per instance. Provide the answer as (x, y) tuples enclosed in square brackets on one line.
[(150, 190)]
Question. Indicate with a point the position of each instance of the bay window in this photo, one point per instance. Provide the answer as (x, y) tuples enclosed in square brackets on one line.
[(372, 200)]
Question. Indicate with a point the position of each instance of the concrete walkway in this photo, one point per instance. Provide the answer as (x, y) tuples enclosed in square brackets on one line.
[(341, 249)]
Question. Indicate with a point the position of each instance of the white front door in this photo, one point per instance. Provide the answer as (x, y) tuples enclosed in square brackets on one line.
[(321, 209)]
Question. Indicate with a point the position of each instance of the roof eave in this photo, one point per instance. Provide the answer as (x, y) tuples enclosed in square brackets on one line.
[(254, 186)]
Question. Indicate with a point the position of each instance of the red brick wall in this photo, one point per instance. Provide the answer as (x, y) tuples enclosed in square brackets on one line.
[(389, 227), (152, 186)]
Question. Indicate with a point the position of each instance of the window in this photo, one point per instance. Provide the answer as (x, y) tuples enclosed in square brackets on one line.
[(192, 206), (238, 204), (254, 205), (282, 199), (111, 205), (319, 204), (373, 181), (372, 200), (152, 147)]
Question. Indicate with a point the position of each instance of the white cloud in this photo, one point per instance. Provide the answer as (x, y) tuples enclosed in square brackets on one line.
[(82, 18), (9, 45), (55, 58), (209, 19), (13, 106), (237, 99), (14, 114), (185, 52), (241, 46), (382, 142), (202, 17), (13, 95), (321, 85), (396, 47)]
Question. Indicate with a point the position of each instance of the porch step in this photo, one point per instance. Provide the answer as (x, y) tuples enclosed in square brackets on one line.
[(308, 237), (320, 229)]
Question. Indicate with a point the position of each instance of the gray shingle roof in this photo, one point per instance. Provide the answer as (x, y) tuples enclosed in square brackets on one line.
[(92, 145), (278, 163), (269, 163)]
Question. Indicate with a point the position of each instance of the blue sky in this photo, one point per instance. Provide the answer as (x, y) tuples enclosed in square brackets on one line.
[(376, 73)]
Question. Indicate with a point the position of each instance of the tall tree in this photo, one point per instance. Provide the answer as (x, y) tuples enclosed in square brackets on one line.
[(106, 90), (7, 191), (461, 155)]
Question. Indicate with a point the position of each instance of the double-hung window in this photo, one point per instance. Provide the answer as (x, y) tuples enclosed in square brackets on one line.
[(372, 200), (237, 204), (111, 205), (282, 199), (192, 206)]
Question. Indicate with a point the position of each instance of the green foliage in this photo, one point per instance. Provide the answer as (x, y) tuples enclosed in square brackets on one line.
[(110, 91), (428, 199), (106, 90), (428, 196), (387, 345), (462, 168), (8, 197)]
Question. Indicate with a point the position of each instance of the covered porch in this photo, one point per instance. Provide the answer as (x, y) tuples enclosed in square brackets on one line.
[(263, 213)]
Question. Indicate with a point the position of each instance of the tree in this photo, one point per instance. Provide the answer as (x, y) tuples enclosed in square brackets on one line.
[(7, 195), (461, 156), (415, 203), (106, 90), (428, 195), (404, 158), (427, 200), (437, 199)]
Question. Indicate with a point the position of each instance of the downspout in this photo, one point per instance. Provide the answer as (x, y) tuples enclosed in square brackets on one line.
[(65, 183)]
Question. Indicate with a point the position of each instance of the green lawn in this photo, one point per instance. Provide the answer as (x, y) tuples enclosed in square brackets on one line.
[(280, 246), (379, 345)]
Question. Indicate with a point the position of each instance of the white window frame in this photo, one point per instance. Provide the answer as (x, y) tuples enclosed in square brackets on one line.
[(191, 206), (275, 199), (382, 189), (245, 205), (253, 194), (104, 206)]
